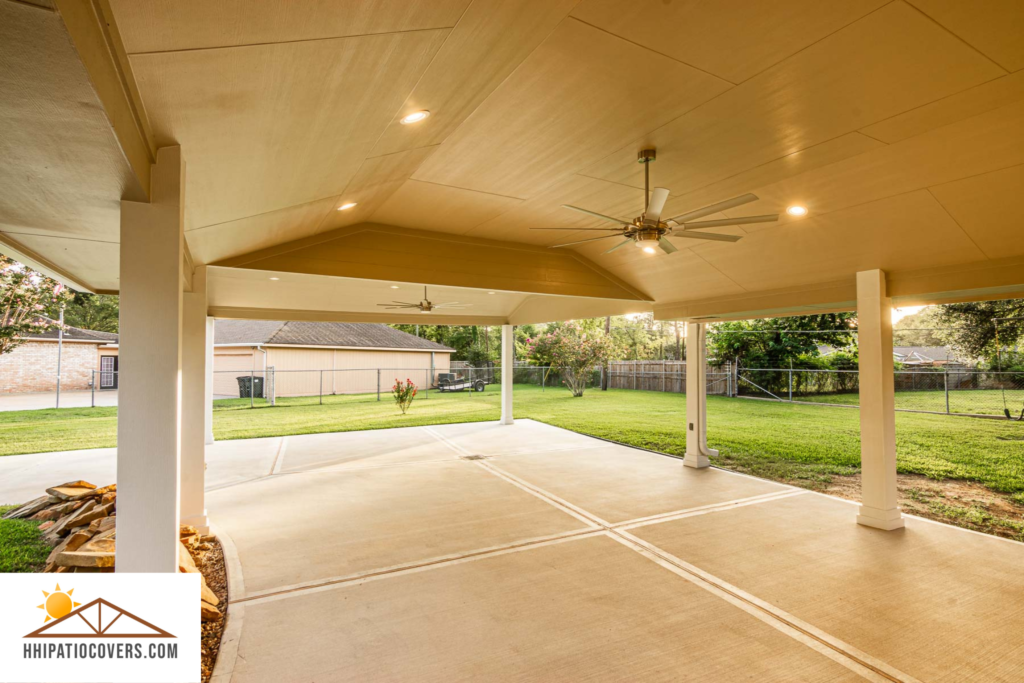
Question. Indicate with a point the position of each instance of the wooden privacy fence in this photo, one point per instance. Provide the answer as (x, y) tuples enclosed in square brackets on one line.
[(667, 375)]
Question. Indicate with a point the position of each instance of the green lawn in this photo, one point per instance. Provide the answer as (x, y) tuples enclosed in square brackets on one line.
[(21, 545), (776, 440), (973, 401)]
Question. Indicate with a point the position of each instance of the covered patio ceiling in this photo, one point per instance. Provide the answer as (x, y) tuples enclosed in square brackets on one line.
[(898, 125)]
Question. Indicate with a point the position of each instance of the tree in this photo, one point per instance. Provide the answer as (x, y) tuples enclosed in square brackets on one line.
[(918, 329), (89, 311), (24, 296), (764, 343), (971, 328), (574, 351)]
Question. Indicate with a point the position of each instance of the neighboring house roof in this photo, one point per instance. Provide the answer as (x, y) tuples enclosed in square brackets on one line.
[(924, 353), (73, 334), (297, 333)]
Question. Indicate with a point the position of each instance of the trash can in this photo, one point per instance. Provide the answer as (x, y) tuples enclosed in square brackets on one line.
[(245, 386)]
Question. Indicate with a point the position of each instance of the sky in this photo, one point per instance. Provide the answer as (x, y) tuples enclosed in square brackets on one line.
[(898, 313)]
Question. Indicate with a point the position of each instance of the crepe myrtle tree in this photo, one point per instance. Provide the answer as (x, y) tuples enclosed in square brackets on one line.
[(574, 351), (24, 295)]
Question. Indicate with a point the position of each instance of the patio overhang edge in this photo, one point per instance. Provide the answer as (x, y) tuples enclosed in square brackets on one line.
[(977, 281)]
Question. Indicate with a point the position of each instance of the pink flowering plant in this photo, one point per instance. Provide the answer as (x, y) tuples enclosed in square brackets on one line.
[(573, 352), (404, 393), (24, 295)]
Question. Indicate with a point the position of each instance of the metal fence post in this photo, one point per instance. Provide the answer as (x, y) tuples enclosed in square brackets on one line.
[(92, 385), (321, 387), (252, 386), (945, 386), (790, 381), (544, 378), (378, 384)]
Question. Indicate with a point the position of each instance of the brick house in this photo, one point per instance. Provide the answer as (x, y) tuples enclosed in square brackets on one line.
[(33, 365)]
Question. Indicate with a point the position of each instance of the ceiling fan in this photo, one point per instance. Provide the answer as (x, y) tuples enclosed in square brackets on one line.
[(425, 306), (649, 231)]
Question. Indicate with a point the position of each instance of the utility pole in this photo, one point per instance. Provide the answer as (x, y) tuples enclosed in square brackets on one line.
[(60, 350)]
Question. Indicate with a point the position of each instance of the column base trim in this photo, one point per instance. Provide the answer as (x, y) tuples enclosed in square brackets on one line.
[(507, 421), (697, 461), (886, 520)]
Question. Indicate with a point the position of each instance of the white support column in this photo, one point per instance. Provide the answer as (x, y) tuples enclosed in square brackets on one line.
[(697, 451), (507, 363), (877, 407), (149, 391), (193, 405), (208, 393)]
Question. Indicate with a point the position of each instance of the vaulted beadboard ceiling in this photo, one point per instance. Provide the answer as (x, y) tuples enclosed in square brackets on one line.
[(899, 125)]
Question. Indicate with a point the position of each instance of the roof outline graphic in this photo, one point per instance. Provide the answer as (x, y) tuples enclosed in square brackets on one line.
[(99, 631)]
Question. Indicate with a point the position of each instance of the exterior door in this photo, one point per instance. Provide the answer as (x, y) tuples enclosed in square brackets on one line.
[(108, 372)]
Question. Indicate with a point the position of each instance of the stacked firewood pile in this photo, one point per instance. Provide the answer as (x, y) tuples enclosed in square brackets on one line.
[(79, 521)]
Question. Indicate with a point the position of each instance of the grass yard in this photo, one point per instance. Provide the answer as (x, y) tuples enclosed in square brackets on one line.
[(800, 443), (21, 545), (964, 401)]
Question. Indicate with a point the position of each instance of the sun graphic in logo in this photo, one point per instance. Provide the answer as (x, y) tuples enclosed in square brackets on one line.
[(58, 603)]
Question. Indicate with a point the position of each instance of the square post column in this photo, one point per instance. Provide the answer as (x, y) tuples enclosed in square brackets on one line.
[(193, 405), (149, 411), (697, 451), (877, 404), (507, 362), (208, 393)]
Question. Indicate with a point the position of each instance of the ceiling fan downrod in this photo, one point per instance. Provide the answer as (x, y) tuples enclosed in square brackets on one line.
[(645, 157)]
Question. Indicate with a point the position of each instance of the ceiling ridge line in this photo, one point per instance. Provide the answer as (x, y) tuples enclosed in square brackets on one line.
[(504, 80), (719, 270), (468, 189), (284, 42), (262, 213), (57, 237), (652, 50), (957, 223), (936, 101), (338, 197), (957, 36), (744, 82), (823, 38)]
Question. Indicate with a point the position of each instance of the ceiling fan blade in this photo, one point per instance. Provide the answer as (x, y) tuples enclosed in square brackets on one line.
[(715, 208), (589, 239), (581, 229), (667, 246), (745, 220), (714, 236), (620, 244), (659, 196), (400, 304), (596, 215)]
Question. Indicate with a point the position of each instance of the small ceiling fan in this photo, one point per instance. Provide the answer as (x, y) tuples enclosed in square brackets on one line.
[(648, 231), (425, 306)]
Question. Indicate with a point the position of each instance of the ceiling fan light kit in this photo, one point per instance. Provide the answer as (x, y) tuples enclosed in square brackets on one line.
[(649, 232)]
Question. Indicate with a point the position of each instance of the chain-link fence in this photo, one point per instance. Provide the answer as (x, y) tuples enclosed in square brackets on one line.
[(958, 391)]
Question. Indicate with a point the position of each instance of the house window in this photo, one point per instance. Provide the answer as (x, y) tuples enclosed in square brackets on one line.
[(108, 372)]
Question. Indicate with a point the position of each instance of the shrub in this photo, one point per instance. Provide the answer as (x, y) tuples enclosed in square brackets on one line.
[(404, 393)]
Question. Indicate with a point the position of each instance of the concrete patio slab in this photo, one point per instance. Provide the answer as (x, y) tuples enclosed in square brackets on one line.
[(362, 449), (580, 610), (618, 483), (528, 436), (937, 602), (301, 528), (48, 399)]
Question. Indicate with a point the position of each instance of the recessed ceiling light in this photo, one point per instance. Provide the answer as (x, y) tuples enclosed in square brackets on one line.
[(415, 117), (346, 205), (394, 286), (275, 278), (648, 250), (797, 210), (490, 292)]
